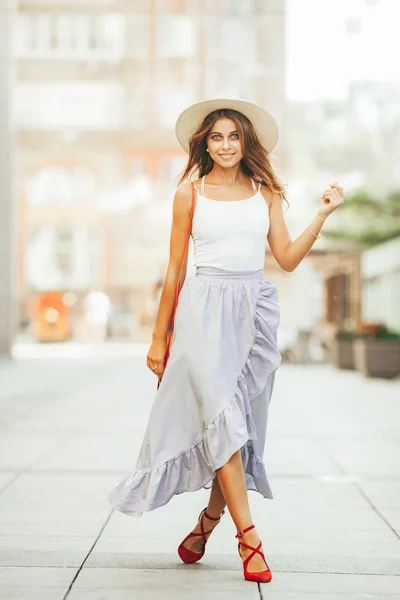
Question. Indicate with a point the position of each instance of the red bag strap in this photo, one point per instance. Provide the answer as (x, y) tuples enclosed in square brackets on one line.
[(179, 284)]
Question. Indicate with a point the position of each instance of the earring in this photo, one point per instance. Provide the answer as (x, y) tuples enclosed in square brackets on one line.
[(208, 150)]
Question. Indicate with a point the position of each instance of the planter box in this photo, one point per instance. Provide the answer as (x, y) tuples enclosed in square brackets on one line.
[(342, 353), (377, 357)]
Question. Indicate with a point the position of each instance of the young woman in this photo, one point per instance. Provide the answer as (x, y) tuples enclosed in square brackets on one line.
[(208, 422)]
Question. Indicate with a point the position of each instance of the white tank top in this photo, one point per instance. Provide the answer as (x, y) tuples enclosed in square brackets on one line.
[(230, 234)]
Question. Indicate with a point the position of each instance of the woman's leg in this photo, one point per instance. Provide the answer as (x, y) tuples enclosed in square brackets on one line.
[(232, 484), (229, 488), (216, 502), (216, 505)]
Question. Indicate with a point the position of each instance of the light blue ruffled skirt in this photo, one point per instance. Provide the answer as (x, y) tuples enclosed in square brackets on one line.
[(215, 392)]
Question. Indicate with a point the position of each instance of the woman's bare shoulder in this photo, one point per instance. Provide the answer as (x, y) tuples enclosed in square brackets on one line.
[(267, 194), (183, 197), (185, 189)]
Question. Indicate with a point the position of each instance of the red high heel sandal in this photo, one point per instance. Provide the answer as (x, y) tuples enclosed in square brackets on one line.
[(190, 556), (259, 576)]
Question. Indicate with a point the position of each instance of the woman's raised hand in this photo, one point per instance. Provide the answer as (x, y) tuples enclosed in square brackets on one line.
[(331, 199)]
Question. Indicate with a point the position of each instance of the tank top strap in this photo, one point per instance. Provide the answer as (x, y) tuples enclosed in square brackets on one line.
[(202, 185), (254, 185)]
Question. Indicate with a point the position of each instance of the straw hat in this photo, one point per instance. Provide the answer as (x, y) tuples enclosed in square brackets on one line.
[(190, 119)]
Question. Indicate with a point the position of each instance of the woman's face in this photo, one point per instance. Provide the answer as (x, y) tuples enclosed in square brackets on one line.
[(224, 144)]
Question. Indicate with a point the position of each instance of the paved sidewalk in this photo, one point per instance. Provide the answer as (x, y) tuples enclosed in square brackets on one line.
[(69, 429)]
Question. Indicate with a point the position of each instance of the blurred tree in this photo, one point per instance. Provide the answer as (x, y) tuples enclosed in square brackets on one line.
[(367, 219)]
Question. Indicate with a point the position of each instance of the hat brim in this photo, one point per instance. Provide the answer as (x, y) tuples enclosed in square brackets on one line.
[(263, 122)]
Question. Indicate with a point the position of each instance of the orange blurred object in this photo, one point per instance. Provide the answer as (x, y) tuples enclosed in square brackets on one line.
[(51, 318)]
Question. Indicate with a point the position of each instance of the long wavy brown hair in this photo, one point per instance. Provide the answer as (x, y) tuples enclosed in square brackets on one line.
[(255, 162)]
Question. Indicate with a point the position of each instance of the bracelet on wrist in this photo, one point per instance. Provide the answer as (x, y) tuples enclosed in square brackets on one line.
[(316, 236)]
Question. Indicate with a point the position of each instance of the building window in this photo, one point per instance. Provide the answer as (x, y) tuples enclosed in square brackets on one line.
[(176, 36), (62, 185), (169, 6), (138, 99), (64, 252), (236, 8), (68, 36), (58, 257), (232, 40), (91, 105), (138, 39), (176, 83), (172, 167)]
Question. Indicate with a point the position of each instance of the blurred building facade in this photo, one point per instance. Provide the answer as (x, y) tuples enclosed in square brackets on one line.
[(380, 271), (100, 85), (355, 140), (8, 260)]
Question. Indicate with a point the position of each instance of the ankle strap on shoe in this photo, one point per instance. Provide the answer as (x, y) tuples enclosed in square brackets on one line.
[(213, 518), (243, 531)]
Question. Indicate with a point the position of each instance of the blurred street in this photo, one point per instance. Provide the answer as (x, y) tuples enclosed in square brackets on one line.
[(71, 428), (89, 167)]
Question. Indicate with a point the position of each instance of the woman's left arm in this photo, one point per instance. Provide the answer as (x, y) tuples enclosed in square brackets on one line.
[(288, 253)]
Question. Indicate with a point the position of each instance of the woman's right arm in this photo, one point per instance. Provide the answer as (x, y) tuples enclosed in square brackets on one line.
[(180, 223)]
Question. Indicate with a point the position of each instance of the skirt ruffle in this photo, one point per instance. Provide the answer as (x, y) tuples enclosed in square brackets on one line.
[(214, 396)]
